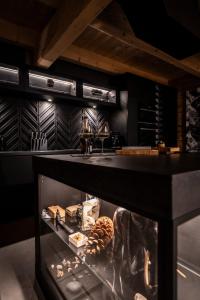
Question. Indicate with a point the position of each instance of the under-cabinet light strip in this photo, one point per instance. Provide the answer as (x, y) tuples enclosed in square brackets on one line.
[(148, 110), (88, 87), (9, 70), (188, 269), (66, 82)]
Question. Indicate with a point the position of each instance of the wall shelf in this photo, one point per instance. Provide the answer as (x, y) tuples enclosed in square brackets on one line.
[(52, 83), (34, 82), (9, 75), (96, 93)]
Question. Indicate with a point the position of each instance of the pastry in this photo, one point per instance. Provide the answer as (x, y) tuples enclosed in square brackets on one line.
[(52, 210), (78, 239), (59, 273), (72, 210), (90, 213)]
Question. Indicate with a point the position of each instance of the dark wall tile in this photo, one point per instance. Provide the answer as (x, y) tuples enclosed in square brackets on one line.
[(61, 122), (9, 123)]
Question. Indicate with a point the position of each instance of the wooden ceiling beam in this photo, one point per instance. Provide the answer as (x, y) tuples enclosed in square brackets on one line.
[(186, 82), (99, 62), (70, 20), (18, 34), (192, 61), (106, 26)]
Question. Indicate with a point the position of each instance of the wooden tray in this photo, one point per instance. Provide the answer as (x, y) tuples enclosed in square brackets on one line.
[(153, 151), (130, 151)]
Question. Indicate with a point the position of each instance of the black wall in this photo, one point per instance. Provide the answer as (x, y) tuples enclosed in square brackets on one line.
[(60, 121), (141, 93), (119, 117)]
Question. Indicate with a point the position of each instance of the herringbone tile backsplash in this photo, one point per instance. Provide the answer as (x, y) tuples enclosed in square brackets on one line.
[(61, 122)]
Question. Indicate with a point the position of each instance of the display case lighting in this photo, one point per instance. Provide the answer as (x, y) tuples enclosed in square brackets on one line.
[(97, 93), (65, 82), (15, 71), (9, 74), (90, 88), (55, 84)]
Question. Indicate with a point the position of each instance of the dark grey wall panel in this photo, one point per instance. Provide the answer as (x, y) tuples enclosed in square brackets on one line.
[(68, 126), (47, 122), (28, 122), (61, 122), (9, 123), (75, 127), (119, 118), (97, 118)]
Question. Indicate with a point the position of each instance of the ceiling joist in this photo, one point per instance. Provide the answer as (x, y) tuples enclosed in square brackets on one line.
[(18, 34), (100, 62), (67, 24), (121, 32), (95, 33)]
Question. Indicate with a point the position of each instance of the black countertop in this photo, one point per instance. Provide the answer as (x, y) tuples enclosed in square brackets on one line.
[(161, 164), (47, 152), (30, 153), (160, 186)]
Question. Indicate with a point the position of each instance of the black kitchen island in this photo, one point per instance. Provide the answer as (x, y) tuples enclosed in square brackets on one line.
[(150, 207)]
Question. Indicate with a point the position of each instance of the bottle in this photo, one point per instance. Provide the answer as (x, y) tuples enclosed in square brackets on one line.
[(82, 145), (162, 149), (57, 219), (90, 146)]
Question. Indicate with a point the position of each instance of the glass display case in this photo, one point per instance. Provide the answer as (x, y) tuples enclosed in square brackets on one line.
[(100, 94), (9, 74), (90, 247), (52, 83), (97, 248)]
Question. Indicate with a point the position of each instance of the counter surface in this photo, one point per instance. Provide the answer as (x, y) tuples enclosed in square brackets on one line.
[(160, 186), (162, 164), (47, 152)]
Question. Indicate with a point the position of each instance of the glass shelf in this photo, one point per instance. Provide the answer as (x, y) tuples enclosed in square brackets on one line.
[(148, 110), (9, 75), (100, 267), (52, 83), (100, 94)]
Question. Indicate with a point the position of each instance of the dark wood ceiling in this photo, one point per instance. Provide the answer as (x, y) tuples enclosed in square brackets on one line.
[(30, 14), (95, 33)]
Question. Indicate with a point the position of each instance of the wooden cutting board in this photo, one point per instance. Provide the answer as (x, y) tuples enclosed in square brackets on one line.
[(130, 151), (154, 151)]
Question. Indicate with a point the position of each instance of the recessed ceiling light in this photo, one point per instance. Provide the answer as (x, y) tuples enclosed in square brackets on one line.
[(50, 100), (94, 106)]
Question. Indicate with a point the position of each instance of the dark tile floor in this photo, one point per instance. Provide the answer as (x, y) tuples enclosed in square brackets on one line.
[(17, 271)]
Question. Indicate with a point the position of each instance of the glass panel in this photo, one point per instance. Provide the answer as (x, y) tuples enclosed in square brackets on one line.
[(93, 249), (52, 83), (9, 74), (102, 94), (189, 260)]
